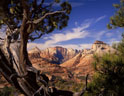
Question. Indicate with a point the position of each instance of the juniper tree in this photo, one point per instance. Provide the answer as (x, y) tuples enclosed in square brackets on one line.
[(28, 20), (109, 69), (117, 20)]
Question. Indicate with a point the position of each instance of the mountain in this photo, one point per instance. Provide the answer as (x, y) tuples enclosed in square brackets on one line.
[(48, 60), (34, 53), (81, 64), (34, 50), (56, 55), (67, 63)]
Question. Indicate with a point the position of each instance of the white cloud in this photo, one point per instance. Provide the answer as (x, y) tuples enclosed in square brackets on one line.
[(100, 18), (77, 46), (98, 35), (113, 40), (74, 33), (76, 23), (73, 46), (109, 34), (85, 46)]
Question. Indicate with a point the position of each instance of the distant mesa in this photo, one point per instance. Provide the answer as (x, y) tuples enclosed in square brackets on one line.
[(99, 42), (34, 50), (59, 61)]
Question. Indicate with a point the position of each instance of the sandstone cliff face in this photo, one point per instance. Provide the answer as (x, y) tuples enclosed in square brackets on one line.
[(100, 47), (34, 50), (82, 62), (64, 62), (55, 55), (69, 64), (48, 60)]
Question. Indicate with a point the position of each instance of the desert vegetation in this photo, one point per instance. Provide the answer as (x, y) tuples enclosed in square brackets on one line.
[(26, 21)]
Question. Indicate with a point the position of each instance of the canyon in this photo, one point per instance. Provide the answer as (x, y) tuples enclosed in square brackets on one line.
[(67, 63)]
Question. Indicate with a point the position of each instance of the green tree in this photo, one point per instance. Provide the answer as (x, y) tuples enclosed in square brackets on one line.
[(108, 78), (25, 21), (118, 19)]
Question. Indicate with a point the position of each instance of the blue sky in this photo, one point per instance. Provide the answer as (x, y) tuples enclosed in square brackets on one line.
[(87, 23)]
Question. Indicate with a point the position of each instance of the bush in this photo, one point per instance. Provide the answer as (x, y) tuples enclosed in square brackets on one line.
[(109, 75), (7, 91)]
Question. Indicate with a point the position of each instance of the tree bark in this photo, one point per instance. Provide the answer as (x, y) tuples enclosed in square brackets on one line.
[(17, 68)]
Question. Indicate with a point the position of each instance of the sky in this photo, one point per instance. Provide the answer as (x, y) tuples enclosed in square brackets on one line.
[(87, 23)]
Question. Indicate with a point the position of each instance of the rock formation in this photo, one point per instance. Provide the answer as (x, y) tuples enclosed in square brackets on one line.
[(59, 61), (81, 64), (58, 54), (69, 64)]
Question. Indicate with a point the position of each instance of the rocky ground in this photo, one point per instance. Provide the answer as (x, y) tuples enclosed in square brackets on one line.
[(69, 64), (66, 66)]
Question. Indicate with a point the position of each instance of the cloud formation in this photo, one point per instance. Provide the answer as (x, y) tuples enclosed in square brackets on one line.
[(74, 46), (79, 32), (100, 18), (77, 46), (74, 33)]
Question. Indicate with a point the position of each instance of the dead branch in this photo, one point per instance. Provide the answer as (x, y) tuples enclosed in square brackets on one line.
[(47, 14)]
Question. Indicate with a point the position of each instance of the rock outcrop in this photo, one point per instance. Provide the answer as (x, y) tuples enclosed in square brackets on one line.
[(69, 64), (34, 53), (64, 62), (56, 55), (81, 64), (48, 60), (100, 47), (34, 50)]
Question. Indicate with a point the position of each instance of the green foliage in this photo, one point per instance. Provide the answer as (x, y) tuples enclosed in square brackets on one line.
[(11, 13), (69, 85), (7, 91), (109, 75), (118, 19)]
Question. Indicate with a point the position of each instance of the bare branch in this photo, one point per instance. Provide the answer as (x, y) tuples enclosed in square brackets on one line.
[(47, 14), (85, 88), (33, 38)]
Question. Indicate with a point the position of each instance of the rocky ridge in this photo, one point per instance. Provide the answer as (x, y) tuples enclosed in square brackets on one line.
[(82, 62), (56, 55), (68, 63)]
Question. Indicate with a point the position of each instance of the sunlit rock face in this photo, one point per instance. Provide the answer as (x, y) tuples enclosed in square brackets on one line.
[(58, 54), (82, 62), (34, 53), (59, 61), (100, 47)]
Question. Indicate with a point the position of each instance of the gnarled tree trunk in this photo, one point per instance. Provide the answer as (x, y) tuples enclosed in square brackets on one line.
[(17, 68)]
